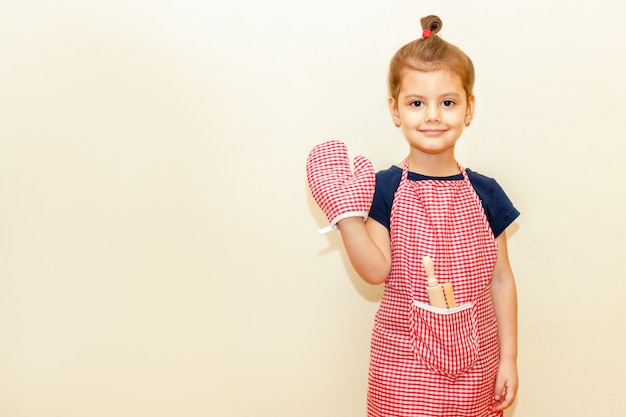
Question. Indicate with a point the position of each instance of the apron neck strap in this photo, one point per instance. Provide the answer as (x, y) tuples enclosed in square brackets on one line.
[(463, 172), (405, 171), (461, 169)]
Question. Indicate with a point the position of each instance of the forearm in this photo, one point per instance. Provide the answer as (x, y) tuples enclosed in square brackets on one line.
[(367, 246), (504, 295)]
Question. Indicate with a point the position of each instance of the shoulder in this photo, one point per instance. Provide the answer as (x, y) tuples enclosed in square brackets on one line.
[(498, 207), (484, 182), (387, 182), (391, 174), (486, 187)]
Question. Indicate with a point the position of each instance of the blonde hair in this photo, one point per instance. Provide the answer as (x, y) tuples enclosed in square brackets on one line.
[(429, 53)]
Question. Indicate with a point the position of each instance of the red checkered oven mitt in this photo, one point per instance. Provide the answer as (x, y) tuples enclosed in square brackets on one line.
[(339, 192)]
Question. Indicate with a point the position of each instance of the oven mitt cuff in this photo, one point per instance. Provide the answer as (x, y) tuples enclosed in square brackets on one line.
[(338, 191)]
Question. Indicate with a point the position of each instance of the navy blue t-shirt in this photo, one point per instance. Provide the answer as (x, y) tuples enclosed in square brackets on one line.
[(497, 205)]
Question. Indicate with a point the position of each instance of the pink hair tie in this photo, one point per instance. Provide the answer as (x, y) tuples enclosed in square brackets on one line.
[(427, 33)]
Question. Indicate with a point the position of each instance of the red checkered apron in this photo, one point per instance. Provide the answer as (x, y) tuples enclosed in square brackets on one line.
[(425, 363)]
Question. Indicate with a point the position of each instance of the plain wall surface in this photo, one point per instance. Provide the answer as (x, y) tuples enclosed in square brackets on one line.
[(159, 253)]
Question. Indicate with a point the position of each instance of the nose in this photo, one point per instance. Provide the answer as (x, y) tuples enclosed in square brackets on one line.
[(433, 114)]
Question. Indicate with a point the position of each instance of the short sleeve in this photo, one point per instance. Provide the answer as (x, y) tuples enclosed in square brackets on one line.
[(498, 207), (387, 182)]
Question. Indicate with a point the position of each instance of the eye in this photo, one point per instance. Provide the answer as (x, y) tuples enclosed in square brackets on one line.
[(448, 103), (416, 103)]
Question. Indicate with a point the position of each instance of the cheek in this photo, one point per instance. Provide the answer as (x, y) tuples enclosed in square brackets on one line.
[(459, 115), (410, 115)]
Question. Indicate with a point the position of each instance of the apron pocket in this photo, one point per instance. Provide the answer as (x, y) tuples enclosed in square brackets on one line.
[(446, 339)]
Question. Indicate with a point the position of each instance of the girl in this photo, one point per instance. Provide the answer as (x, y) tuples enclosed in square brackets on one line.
[(458, 359)]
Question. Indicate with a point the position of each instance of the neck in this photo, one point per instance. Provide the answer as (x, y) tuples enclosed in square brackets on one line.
[(433, 165)]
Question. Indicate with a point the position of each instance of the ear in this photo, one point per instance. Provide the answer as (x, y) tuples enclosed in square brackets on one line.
[(393, 109), (469, 114)]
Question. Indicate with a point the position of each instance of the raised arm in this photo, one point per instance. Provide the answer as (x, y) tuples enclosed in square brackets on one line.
[(346, 197), (368, 247)]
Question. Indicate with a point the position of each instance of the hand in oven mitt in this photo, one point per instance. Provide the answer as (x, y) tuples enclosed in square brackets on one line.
[(339, 192)]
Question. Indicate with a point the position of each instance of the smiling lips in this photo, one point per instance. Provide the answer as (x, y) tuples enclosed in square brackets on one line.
[(432, 132)]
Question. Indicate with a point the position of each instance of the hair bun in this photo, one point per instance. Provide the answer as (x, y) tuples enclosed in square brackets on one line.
[(432, 23)]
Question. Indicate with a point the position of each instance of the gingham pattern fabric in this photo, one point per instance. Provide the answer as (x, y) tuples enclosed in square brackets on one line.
[(339, 192), (425, 364), (447, 343)]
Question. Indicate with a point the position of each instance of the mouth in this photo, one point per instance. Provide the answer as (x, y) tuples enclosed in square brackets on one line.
[(432, 132)]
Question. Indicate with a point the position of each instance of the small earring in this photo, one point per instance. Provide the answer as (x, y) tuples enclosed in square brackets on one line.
[(397, 124), (467, 124)]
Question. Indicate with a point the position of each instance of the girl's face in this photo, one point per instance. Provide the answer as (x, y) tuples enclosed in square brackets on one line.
[(432, 109)]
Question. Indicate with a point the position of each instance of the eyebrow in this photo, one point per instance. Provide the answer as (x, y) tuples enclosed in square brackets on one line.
[(450, 94)]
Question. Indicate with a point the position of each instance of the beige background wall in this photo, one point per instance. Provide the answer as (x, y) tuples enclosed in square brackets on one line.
[(158, 245)]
